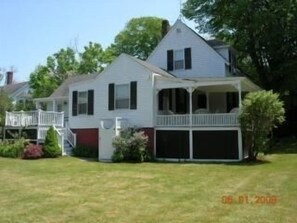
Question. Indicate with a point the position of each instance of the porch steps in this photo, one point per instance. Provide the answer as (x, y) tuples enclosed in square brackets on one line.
[(67, 148)]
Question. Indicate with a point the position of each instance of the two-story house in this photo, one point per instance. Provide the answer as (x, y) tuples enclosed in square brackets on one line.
[(186, 97)]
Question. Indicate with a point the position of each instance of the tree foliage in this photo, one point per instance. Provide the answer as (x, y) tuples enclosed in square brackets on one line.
[(46, 78), (139, 37), (261, 112), (5, 105), (264, 33)]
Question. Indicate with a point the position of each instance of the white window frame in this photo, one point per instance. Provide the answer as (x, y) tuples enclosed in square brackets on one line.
[(175, 52), (116, 106), (78, 102)]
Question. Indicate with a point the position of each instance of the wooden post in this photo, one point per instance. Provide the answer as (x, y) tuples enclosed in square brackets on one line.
[(190, 90), (239, 94)]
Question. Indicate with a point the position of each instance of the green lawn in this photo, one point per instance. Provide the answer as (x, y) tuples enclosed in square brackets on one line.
[(72, 190)]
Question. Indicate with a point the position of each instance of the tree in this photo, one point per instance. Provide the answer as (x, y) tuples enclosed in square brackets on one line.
[(139, 37), (66, 62), (261, 112), (51, 148), (5, 105), (92, 59), (42, 82), (264, 33)]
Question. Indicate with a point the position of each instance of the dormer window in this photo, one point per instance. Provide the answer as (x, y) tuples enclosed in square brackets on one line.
[(179, 59)]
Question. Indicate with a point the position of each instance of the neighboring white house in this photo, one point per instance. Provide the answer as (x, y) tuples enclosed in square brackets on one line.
[(16, 91), (185, 97)]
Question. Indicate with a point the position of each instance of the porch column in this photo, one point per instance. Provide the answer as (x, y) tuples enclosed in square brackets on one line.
[(54, 105), (37, 104), (207, 101), (156, 106), (190, 90), (239, 94)]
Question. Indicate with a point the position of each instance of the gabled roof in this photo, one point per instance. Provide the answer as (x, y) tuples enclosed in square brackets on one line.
[(179, 22), (151, 67), (63, 89), (12, 88)]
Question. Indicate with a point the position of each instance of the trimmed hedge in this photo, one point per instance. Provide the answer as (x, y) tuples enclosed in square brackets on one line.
[(83, 151)]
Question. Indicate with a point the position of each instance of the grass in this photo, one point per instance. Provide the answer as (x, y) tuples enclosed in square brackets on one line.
[(72, 190)]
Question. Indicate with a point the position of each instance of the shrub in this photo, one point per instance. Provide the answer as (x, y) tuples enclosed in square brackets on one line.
[(117, 156), (12, 148), (130, 146), (32, 152), (82, 151), (51, 148), (261, 112)]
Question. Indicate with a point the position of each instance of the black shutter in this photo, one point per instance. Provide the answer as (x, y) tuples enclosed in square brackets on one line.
[(74, 103), (169, 60), (90, 102), (133, 95), (111, 97), (188, 58)]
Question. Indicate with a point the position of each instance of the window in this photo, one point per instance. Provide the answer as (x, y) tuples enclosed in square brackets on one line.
[(82, 102), (59, 107), (178, 59), (122, 96)]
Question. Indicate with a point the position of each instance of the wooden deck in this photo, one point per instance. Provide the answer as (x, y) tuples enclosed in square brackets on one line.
[(38, 122), (34, 118)]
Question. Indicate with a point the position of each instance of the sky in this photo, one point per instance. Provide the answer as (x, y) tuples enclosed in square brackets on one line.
[(32, 30)]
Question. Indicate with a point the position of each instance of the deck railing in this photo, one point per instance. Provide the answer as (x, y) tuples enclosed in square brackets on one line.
[(70, 137), (198, 120), (34, 118)]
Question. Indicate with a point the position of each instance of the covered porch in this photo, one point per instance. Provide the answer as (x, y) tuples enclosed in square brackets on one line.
[(54, 104), (203, 102)]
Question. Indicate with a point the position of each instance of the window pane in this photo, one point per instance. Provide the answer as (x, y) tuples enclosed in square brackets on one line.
[(122, 96), (179, 64), (122, 103), (178, 59), (82, 102), (122, 91), (82, 108), (178, 55)]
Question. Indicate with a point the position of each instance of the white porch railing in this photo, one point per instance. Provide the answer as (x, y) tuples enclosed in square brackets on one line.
[(34, 118), (70, 137), (203, 120)]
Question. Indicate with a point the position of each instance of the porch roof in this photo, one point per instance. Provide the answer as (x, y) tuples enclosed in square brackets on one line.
[(61, 98), (62, 92), (213, 84)]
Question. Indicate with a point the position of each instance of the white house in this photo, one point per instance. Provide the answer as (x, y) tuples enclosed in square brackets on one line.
[(185, 97), (16, 91)]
